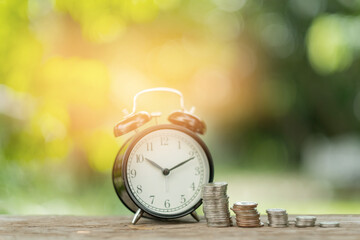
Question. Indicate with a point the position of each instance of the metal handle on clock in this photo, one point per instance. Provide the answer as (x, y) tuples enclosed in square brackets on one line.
[(159, 89)]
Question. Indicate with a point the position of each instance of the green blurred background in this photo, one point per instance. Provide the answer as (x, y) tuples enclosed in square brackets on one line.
[(277, 83)]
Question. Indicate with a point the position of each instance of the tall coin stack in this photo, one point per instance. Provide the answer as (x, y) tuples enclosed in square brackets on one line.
[(216, 204), (277, 217), (247, 214), (305, 221)]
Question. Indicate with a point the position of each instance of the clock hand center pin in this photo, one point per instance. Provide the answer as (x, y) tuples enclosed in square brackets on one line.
[(164, 171)]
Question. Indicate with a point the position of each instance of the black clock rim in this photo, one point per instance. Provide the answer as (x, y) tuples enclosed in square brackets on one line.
[(142, 134)]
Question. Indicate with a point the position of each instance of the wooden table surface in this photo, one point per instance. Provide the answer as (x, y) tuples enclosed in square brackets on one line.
[(112, 227)]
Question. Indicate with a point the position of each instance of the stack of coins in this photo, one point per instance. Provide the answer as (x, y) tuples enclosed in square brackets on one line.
[(277, 217), (247, 214), (216, 204), (329, 224), (305, 221)]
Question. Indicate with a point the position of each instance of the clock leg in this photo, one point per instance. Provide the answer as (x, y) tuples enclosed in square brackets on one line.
[(137, 216), (195, 216)]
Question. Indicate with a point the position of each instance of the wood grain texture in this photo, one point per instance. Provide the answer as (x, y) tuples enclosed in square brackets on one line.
[(81, 227)]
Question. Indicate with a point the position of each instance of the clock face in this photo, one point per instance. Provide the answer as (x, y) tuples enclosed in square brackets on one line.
[(165, 172)]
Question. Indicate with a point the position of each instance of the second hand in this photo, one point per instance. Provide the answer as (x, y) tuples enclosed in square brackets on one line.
[(166, 184)]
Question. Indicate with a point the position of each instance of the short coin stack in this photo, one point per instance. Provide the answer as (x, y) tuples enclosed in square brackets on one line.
[(247, 214), (329, 224), (305, 221), (216, 205), (277, 217)]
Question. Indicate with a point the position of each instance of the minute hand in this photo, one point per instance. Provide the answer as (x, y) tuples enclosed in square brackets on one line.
[(181, 164)]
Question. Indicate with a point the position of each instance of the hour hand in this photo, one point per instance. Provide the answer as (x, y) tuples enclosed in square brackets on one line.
[(154, 164)]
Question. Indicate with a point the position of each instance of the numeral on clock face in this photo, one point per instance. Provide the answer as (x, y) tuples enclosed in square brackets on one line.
[(164, 141), (183, 199), (193, 186), (149, 146), (139, 158), (133, 173), (152, 197), (139, 189), (167, 203), (197, 171)]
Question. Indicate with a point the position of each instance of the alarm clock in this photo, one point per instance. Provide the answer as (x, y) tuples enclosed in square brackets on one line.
[(159, 171)]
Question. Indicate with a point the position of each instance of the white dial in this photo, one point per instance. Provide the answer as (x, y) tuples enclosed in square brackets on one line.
[(166, 170)]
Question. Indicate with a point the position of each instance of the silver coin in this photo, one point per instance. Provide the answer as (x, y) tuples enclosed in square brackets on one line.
[(303, 226), (215, 201), (276, 211), (214, 198), (219, 222), (306, 224), (216, 214), (220, 190), (306, 218), (208, 190), (329, 224), (278, 222), (216, 206), (221, 204), (245, 204), (218, 219), (277, 216), (278, 225), (218, 225), (211, 196), (216, 184), (216, 209), (243, 212), (212, 186)]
